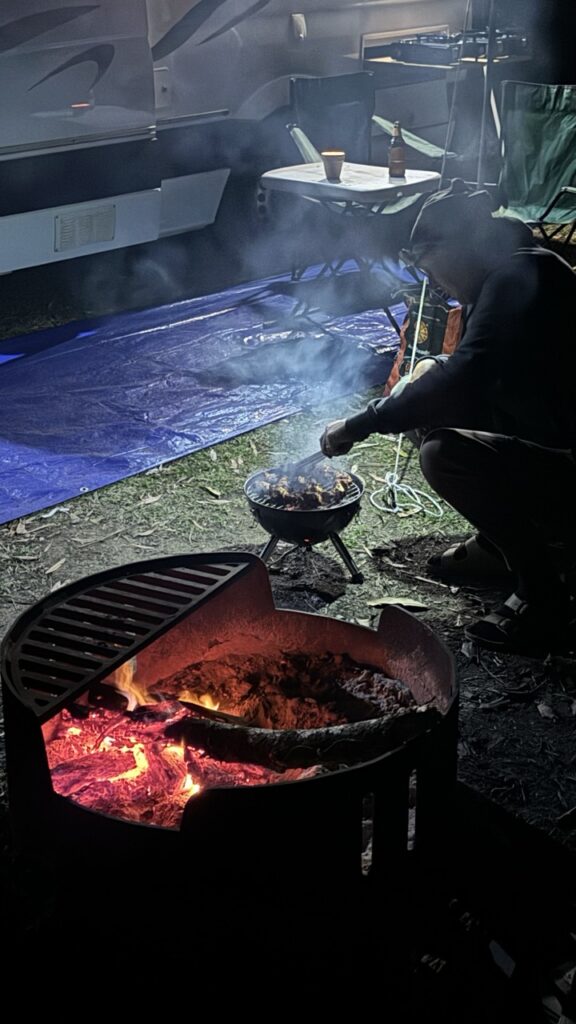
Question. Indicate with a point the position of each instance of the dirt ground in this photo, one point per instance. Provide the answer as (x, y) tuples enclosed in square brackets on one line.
[(517, 715)]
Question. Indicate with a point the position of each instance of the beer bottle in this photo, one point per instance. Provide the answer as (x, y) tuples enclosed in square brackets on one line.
[(397, 153)]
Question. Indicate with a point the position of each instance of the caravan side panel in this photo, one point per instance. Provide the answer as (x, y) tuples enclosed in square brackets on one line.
[(77, 152), (238, 55)]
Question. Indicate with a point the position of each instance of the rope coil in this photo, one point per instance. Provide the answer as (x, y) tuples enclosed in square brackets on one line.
[(417, 501)]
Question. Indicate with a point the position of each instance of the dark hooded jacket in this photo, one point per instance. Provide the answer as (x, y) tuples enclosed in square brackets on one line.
[(514, 371)]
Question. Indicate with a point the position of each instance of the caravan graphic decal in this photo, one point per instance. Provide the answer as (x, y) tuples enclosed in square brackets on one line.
[(102, 56), (184, 29), (236, 21), (14, 33)]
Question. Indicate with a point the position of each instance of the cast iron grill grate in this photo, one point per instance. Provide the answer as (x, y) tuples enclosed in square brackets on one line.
[(86, 631)]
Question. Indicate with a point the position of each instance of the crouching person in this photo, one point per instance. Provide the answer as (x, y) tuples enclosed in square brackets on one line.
[(497, 432)]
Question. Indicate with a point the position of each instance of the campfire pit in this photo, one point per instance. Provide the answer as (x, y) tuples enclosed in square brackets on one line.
[(117, 748)]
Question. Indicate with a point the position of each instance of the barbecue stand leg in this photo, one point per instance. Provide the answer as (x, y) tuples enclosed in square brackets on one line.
[(269, 548), (357, 576)]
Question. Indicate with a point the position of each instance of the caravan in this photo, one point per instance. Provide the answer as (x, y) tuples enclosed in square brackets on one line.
[(121, 122)]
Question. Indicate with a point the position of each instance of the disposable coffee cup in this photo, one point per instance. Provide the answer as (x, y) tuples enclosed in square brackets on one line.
[(333, 160)]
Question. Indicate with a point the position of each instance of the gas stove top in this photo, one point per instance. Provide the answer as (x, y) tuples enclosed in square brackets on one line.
[(443, 48)]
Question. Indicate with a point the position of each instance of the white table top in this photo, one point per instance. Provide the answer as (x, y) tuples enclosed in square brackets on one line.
[(360, 183)]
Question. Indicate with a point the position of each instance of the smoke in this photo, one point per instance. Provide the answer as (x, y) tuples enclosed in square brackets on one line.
[(134, 278)]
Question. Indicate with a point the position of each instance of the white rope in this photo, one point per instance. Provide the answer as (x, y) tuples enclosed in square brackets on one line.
[(418, 501)]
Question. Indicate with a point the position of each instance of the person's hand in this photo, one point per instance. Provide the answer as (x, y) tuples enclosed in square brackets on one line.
[(335, 440)]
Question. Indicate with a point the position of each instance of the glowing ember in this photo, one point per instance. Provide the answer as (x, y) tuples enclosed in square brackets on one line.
[(121, 765), (140, 766), (118, 760)]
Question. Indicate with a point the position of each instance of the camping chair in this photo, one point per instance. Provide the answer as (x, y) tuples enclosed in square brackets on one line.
[(538, 173)]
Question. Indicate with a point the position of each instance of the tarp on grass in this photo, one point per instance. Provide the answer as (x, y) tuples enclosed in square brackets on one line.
[(124, 394)]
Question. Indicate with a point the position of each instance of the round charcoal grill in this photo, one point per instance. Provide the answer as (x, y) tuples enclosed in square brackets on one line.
[(305, 527)]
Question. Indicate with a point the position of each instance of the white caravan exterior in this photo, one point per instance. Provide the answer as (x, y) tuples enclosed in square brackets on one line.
[(119, 118)]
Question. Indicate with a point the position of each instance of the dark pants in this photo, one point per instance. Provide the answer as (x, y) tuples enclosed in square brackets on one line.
[(522, 497)]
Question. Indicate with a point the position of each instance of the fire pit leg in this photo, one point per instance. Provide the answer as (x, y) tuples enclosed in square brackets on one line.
[(357, 576), (269, 548)]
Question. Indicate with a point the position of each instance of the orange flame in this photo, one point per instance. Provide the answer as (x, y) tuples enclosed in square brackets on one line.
[(191, 787), (124, 681), (123, 678), (204, 699)]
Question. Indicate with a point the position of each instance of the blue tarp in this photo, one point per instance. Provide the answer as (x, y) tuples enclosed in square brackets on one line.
[(96, 402)]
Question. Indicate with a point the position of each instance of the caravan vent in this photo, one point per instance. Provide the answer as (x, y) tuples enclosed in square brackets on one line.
[(85, 227)]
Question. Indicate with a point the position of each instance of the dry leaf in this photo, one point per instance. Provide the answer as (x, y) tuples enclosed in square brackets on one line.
[(52, 512), (82, 541), (59, 583), (213, 454), (150, 499), (395, 565), (20, 527), (426, 579), (545, 710), (211, 490), (56, 566), (403, 602)]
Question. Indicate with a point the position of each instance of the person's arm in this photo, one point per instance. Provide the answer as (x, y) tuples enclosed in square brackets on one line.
[(449, 392)]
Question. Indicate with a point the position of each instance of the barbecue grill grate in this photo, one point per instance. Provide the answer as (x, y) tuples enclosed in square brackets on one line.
[(352, 493), (89, 629)]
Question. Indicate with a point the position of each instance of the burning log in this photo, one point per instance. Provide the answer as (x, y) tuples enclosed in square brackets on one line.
[(303, 748)]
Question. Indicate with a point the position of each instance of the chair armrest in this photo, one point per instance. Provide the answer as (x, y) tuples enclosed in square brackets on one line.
[(308, 152), (414, 141)]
